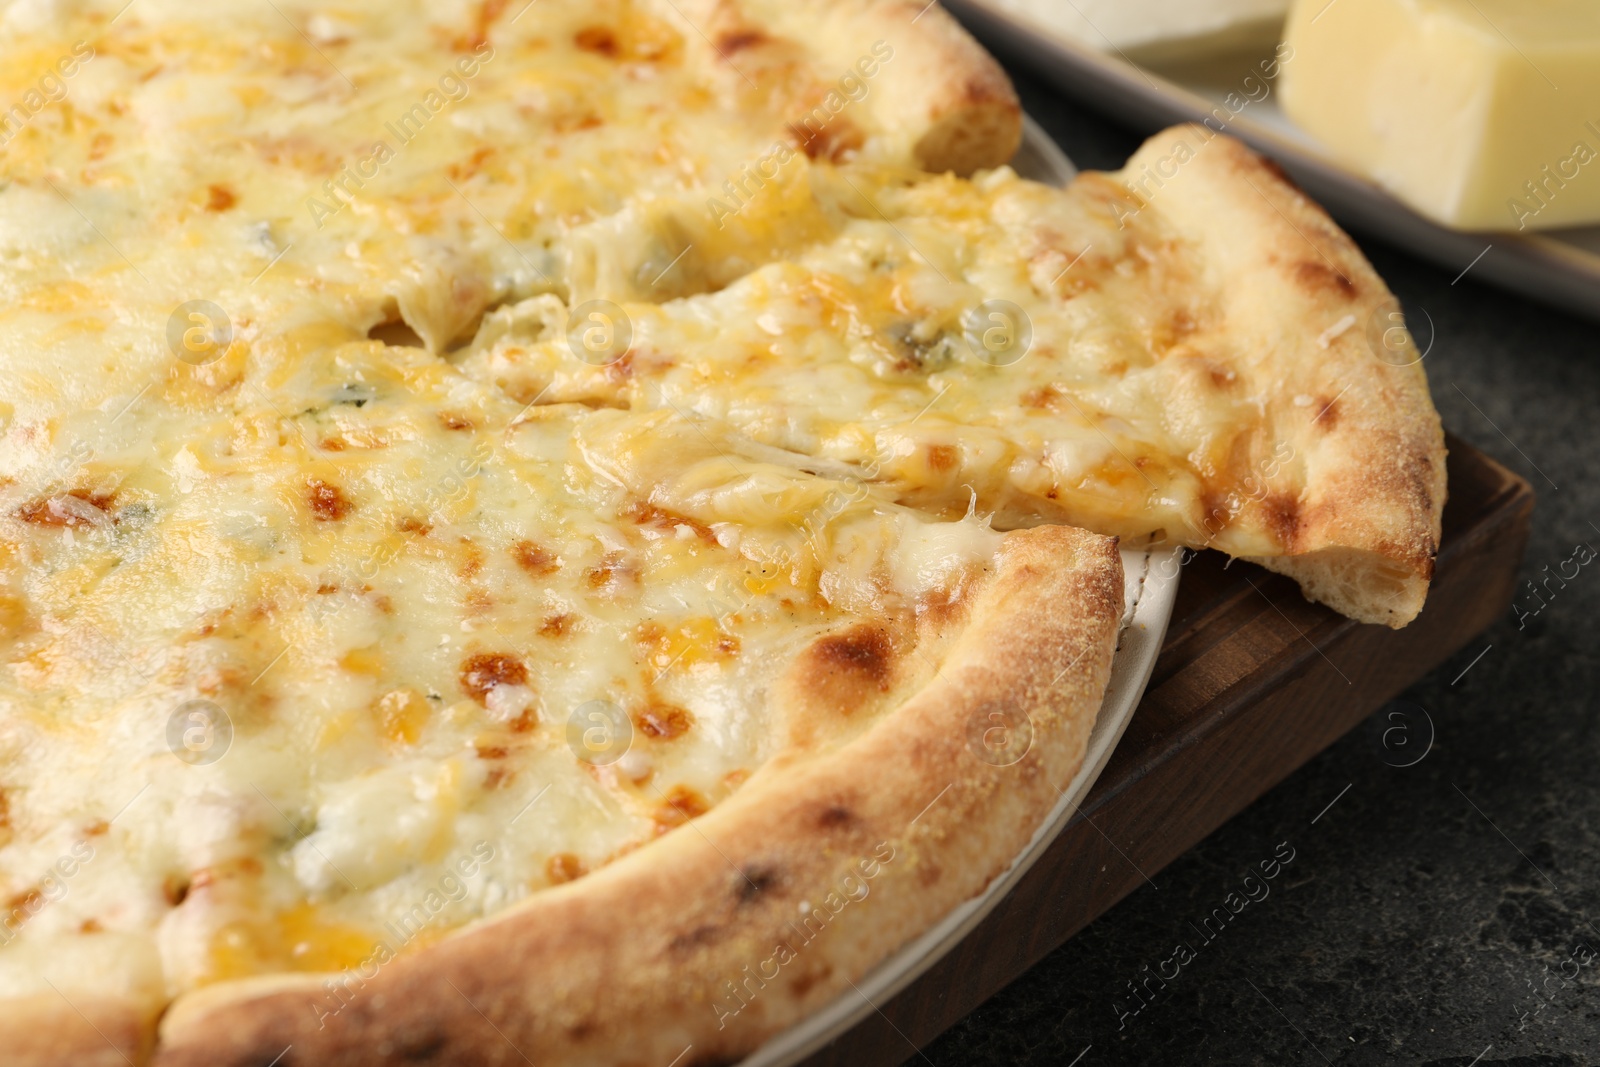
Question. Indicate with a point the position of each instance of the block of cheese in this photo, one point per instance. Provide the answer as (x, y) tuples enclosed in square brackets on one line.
[(1159, 31), (1480, 114)]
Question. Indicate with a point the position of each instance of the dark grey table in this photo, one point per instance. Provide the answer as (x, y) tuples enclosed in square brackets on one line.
[(1445, 913)]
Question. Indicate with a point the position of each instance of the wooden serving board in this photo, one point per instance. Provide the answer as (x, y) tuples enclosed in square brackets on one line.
[(1250, 684)]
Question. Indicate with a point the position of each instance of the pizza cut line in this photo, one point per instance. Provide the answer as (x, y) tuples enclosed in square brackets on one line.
[(571, 533)]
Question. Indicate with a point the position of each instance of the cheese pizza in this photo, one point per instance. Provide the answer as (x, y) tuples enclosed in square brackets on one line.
[(567, 531)]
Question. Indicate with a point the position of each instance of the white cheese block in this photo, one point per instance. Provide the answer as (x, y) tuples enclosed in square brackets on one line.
[(1480, 114)]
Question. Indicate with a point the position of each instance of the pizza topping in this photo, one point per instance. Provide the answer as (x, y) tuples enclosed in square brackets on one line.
[(599, 40), (664, 722), (402, 714), (678, 805), (77, 508), (539, 562), (328, 502), (482, 674), (564, 867)]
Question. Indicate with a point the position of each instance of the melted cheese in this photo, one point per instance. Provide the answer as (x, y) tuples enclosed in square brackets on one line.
[(305, 635), (398, 639), (994, 338)]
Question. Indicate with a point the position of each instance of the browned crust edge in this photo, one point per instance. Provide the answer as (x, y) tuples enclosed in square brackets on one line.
[(50, 1030), (640, 963), (967, 113), (1303, 302), (939, 100)]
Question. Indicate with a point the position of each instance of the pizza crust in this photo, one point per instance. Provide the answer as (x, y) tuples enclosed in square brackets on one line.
[(49, 1030), (1346, 391), (938, 99), (644, 958)]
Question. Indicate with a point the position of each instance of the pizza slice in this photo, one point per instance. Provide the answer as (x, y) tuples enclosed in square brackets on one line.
[(1188, 349)]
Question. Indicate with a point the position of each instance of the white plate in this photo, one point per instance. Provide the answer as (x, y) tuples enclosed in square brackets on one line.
[(1560, 267), (1150, 588)]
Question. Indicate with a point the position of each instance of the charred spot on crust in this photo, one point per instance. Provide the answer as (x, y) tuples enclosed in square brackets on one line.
[(601, 40), (1327, 416), (1316, 278), (805, 981), (413, 525), (418, 1047), (835, 816), (945, 605), (862, 651), (843, 673), (704, 934), (664, 722), (327, 502), (1281, 514), (481, 673), (756, 882)]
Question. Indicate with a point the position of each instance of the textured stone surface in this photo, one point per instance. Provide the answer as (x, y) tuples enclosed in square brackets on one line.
[(1426, 915)]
